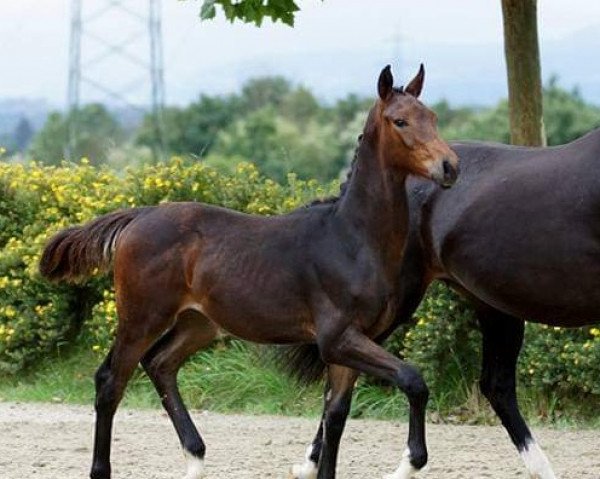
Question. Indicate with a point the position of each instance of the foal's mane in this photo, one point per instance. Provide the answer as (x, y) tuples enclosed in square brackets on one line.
[(343, 186)]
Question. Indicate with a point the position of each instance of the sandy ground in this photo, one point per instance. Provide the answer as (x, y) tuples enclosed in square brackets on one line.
[(54, 442)]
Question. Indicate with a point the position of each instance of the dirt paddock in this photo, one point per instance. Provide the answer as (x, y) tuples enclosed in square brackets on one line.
[(54, 442)]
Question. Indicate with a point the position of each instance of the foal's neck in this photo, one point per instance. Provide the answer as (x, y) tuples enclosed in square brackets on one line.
[(375, 202)]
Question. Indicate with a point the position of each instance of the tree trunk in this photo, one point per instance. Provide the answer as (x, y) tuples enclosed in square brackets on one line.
[(522, 53)]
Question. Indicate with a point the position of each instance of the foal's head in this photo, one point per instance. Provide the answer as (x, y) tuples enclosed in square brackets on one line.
[(408, 131)]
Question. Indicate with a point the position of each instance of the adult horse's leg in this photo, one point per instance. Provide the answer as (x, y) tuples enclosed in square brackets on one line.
[(502, 340), (353, 349), (191, 332), (111, 380)]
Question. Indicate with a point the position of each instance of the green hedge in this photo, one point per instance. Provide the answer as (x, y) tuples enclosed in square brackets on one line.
[(36, 201), (445, 342), (36, 317)]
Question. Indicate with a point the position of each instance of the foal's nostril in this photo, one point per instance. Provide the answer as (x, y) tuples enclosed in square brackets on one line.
[(450, 173), (447, 168)]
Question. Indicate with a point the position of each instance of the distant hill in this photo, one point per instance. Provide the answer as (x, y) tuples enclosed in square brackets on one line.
[(13, 109), (464, 74)]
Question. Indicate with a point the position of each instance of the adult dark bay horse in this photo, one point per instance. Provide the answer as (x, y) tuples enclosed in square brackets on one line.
[(519, 234), (324, 275)]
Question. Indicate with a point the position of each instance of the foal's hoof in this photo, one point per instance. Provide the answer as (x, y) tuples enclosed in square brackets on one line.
[(401, 475), (195, 466), (307, 470), (198, 475)]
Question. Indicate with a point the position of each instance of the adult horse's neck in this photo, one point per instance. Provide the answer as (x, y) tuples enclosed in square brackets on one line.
[(375, 201)]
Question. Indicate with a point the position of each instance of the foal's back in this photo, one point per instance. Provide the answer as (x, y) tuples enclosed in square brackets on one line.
[(223, 263)]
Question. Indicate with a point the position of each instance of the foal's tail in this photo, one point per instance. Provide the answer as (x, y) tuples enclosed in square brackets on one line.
[(75, 253)]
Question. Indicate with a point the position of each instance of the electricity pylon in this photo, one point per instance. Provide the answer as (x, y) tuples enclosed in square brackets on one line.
[(105, 33)]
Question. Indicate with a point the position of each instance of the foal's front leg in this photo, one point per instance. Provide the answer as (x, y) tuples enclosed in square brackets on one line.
[(353, 349)]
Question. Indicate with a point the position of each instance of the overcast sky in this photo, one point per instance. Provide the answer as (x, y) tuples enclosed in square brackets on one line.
[(215, 56)]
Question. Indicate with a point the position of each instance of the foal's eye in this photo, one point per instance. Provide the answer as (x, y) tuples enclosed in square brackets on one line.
[(400, 123)]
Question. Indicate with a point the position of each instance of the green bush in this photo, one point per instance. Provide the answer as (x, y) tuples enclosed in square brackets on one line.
[(446, 344), (37, 317), (37, 201), (564, 361)]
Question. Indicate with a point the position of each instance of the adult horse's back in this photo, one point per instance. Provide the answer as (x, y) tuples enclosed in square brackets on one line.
[(521, 230), (519, 234)]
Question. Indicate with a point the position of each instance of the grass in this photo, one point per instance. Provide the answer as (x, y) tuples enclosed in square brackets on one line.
[(223, 379), (231, 378), (235, 378), (68, 377)]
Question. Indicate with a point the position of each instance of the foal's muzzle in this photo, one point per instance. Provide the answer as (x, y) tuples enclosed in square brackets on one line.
[(450, 174), (445, 174)]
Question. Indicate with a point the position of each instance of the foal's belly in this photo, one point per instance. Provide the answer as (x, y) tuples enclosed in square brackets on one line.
[(259, 316)]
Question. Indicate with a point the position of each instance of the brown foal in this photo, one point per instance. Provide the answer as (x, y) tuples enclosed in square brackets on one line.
[(326, 275)]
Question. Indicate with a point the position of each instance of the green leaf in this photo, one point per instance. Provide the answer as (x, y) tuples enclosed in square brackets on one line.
[(208, 10), (252, 11)]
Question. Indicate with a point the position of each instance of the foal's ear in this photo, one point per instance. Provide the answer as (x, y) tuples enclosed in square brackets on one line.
[(415, 86), (385, 84)]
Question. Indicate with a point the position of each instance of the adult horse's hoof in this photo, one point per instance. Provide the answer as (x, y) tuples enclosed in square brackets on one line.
[(402, 474)]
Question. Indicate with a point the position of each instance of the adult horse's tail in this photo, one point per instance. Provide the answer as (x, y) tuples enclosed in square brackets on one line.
[(75, 253)]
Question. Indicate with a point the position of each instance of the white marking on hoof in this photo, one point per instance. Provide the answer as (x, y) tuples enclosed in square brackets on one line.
[(536, 462), (405, 469), (195, 466), (308, 470)]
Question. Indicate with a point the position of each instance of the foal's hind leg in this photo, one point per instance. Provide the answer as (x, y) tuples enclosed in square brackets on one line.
[(111, 380), (191, 332), (338, 396), (502, 340), (308, 469)]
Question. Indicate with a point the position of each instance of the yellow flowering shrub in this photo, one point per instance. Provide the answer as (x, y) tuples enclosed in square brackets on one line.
[(37, 316), (446, 344), (561, 359), (37, 201)]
